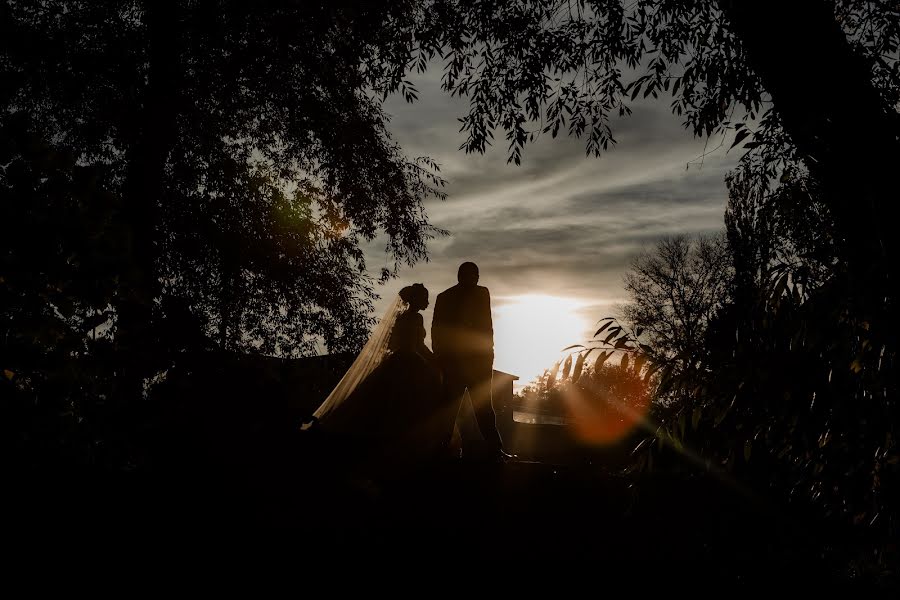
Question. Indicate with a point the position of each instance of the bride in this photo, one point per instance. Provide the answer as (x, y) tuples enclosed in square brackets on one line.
[(386, 410)]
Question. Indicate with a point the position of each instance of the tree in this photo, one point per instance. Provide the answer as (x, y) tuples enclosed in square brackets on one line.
[(233, 136), (181, 174), (784, 227), (675, 290)]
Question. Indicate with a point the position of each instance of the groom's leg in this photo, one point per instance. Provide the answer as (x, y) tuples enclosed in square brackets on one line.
[(480, 392), (454, 388)]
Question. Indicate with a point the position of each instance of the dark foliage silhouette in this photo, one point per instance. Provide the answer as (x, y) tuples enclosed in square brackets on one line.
[(180, 176), (675, 290), (787, 396)]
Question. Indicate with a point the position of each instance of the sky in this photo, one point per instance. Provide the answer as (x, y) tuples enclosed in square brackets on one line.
[(554, 236)]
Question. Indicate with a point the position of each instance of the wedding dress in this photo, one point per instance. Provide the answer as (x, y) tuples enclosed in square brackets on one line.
[(387, 407)]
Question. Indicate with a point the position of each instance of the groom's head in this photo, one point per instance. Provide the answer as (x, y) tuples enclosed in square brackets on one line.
[(468, 273)]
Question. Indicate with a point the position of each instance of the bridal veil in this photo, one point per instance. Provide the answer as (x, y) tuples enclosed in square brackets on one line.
[(371, 355)]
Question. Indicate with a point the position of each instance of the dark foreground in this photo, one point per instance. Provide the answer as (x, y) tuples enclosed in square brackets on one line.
[(526, 519)]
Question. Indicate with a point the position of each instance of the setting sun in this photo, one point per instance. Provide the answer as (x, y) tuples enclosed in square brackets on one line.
[(530, 332)]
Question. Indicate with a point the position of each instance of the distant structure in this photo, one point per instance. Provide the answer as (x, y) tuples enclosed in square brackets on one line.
[(503, 401), (502, 390)]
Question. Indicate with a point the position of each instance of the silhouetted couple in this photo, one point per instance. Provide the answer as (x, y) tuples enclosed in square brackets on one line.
[(401, 398)]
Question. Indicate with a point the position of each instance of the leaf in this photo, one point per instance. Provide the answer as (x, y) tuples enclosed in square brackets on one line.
[(666, 379), (644, 442), (636, 91), (780, 286), (605, 325), (551, 378), (639, 362), (695, 417), (579, 366), (741, 136), (651, 372), (602, 358), (722, 414), (94, 320), (624, 363), (65, 306), (567, 366), (572, 347), (8, 374)]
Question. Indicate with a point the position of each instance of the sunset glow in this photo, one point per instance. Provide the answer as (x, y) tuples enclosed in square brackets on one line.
[(530, 332)]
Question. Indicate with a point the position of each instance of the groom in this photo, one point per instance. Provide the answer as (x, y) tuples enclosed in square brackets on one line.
[(462, 336)]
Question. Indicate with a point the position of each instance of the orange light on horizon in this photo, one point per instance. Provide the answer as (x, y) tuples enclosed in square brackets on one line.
[(601, 421)]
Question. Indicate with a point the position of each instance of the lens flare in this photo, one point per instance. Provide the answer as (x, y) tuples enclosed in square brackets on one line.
[(601, 418)]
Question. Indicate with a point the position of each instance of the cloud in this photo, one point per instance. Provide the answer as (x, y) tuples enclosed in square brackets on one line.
[(562, 223)]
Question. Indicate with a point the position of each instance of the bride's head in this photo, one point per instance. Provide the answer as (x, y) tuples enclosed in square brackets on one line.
[(416, 295)]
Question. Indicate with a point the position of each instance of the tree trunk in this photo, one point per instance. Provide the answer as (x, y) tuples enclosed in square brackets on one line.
[(155, 133), (228, 309), (824, 95)]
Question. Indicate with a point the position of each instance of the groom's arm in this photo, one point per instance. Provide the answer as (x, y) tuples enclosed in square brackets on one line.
[(437, 326), (487, 321)]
